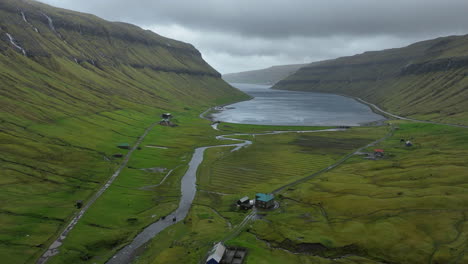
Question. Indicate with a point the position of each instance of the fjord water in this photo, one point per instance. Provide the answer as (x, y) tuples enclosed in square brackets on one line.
[(277, 107)]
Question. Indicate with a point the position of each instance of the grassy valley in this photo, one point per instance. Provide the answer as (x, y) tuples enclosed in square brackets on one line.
[(408, 207), (426, 80), (73, 86)]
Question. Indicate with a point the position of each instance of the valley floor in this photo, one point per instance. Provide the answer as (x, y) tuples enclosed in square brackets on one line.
[(407, 207)]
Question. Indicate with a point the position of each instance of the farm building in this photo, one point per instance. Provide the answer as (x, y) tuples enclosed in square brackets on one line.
[(124, 146), (264, 201), (118, 155), (408, 143), (243, 200), (79, 204), (166, 120), (234, 255), (166, 116), (220, 254), (379, 153), (244, 203), (216, 254)]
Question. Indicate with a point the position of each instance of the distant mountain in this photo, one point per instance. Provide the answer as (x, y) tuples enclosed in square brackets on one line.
[(72, 87), (264, 76), (425, 80)]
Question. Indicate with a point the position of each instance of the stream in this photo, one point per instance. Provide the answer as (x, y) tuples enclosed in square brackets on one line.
[(188, 190)]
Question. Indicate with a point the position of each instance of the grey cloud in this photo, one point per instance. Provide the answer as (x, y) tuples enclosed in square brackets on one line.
[(239, 35), (280, 18)]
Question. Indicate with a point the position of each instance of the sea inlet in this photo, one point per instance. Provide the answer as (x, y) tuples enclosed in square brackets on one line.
[(289, 108)]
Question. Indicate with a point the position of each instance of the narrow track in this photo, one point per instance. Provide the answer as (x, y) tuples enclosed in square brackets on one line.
[(54, 247)]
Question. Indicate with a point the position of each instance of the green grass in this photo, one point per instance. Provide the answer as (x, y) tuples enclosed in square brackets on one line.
[(224, 177), (60, 123), (406, 208), (409, 207)]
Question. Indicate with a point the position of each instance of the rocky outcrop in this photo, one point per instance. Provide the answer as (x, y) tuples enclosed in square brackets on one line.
[(439, 65)]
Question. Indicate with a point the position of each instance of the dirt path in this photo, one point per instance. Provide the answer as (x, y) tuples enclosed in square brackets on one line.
[(54, 247), (378, 109), (188, 192), (336, 164)]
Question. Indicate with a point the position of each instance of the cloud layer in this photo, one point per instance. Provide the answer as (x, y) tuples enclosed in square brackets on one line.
[(238, 35)]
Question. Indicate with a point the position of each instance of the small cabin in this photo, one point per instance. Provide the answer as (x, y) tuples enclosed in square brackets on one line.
[(79, 204), (166, 116), (124, 146), (243, 200), (216, 254), (379, 153), (118, 155), (408, 143), (264, 201), (244, 203)]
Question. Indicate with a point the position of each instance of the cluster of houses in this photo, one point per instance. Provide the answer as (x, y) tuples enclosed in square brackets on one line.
[(220, 254), (380, 153), (262, 201), (166, 121)]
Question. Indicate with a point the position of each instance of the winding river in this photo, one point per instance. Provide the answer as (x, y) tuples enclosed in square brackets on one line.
[(188, 190), (267, 107)]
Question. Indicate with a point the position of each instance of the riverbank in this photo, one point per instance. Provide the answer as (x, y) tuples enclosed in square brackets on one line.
[(223, 183), (188, 191)]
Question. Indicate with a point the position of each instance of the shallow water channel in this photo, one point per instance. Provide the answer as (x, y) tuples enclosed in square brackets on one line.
[(269, 107), (188, 189)]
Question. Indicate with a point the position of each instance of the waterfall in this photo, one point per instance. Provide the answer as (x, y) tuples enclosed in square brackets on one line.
[(13, 42)]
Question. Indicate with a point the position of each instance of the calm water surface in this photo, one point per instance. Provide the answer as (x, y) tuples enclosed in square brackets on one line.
[(276, 107)]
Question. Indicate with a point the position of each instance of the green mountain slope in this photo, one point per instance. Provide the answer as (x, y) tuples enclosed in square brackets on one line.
[(426, 80), (72, 87), (269, 75)]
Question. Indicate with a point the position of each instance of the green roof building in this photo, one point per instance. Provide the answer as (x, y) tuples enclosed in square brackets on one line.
[(264, 200)]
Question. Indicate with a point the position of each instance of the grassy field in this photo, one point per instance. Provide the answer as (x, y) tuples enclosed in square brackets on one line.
[(409, 207), (131, 204), (224, 177)]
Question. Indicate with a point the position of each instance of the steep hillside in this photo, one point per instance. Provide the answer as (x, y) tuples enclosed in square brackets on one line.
[(426, 80), (264, 76), (72, 87)]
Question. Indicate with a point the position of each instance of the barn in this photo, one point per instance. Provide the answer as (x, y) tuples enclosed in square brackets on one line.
[(216, 254)]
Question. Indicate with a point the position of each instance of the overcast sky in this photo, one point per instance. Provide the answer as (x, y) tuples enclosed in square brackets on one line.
[(240, 35)]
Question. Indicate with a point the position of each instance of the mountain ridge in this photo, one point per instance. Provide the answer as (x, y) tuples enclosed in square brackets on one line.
[(269, 75), (72, 87), (425, 80)]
